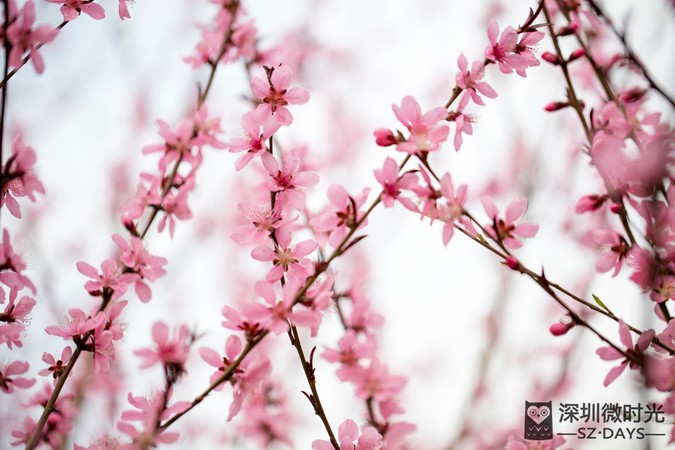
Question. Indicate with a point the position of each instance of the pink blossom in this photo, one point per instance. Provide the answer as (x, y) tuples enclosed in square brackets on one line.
[(111, 279), (349, 353), (253, 372), (140, 261), (169, 351), (392, 183), (617, 250), (503, 51), (635, 352), (463, 122), (287, 261), (525, 49), (14, 265), (287, 180), (276, 95), (257, 129), (453, 208), (18, 176), (276, 313), (71, 9), (9, 380), (149, 411), (505, 230), (341, 215), (242, 321), (644, 266), (470, 80), (177, 144), (56, 366), (24, 38), (175, 206), (375, 382), (261, 220), (14, 319), (124, 9), (233, 347), (425, 135), (79, 323), (349, 438)]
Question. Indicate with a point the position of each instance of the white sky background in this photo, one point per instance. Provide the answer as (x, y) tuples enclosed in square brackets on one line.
[(82, 118)]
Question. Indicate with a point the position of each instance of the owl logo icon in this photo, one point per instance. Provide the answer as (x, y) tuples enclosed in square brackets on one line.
[(538, 422)]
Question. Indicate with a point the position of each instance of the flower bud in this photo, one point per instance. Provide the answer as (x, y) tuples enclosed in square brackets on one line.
[(576, 54), (556, 106), (615, 208), (384, 137), (550, 58), (559, 328), (512, 263)]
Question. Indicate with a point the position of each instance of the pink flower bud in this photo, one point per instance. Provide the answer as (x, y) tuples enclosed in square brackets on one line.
[(568, 29), (512, 263), (576, 54), (556, 106), (550, 58), (615, 208), (559, 328), (384, 137)]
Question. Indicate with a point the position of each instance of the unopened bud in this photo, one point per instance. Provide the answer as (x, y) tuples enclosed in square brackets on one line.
[(576, 54), (550, 58), (615, 208), (556, 106), (559, 328), (568, 29), (512, 263), (384, 137)]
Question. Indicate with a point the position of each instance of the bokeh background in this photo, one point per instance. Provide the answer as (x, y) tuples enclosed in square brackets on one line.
[(93, 110)]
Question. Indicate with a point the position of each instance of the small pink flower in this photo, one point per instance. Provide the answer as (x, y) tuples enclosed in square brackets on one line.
[(178, 143), (463, 122), (276, 95), (291, 262), (617, 250), (425, 135), (233, 347), (375, 382), (14, 319), (275, 313), (470, 80), (9, 380), (257, 130), (56, 366), (18, 177), (111, 278), (453, 208), (349, 353), (78, 324), (341, 215), (71, 9), (392, 183), (261, 220), (24, 38), (505, 230), (349, 438), (140, 261), (635, 351), (169, 351), (150, 411), (287, 180)]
